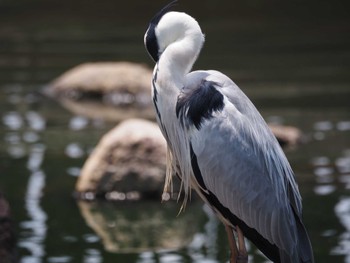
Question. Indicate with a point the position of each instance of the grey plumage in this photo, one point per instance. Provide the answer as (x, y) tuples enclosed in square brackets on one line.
[(219, 144), (243, 165)]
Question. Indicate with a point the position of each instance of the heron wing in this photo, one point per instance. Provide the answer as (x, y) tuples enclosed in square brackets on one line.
[(236, 160)]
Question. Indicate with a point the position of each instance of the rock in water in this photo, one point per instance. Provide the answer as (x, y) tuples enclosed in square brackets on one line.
[(287, 136), (109, 90), (128, 163)]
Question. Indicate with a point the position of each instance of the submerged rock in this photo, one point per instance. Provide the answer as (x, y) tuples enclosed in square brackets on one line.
[(287, 136), (123, 81), (104, 89), (128, 163)]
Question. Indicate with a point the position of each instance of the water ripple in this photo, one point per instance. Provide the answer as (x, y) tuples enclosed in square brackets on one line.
[(323, 126), (35, 121), (36, 225), (342, 210), (343, 164), (320, 161), (74, 150), (324, 189), (59, 259), (343, 125), (12, 120), (92, 256), (78, 123), (36, 157)]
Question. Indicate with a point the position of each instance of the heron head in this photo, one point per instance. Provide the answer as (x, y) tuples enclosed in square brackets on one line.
[(150, 39), (168, 27)]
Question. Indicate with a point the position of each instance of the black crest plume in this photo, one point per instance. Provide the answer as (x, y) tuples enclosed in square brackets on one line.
[(162, 12), (150, 38)]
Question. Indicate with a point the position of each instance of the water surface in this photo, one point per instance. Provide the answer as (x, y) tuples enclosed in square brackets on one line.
[(291, 58)]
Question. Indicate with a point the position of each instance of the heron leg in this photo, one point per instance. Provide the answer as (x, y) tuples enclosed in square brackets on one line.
[(242, 251), (232, 243)]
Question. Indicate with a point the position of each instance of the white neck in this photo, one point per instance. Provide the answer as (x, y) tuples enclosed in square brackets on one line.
[(181, 41), (178, 58)]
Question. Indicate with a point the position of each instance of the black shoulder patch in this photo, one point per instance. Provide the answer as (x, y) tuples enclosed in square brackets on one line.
[(199, 104)]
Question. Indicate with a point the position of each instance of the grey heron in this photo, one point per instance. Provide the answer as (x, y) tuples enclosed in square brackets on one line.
[(220, 146)]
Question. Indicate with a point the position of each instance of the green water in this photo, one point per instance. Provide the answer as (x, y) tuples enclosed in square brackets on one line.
[(292, 59)]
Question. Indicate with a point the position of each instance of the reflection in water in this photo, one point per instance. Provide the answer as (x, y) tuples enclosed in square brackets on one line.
[(343, 163), (324, 176), (98, 110), (62, 259), (155, 234), (343, 125), (12, 120), (35, 121), (342, 210), (208, 239), (74, 150), (92, 256), (34, 229), (78, 123), (153, 227)]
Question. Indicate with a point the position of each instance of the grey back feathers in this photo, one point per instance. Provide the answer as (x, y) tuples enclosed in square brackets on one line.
[(240, 167)]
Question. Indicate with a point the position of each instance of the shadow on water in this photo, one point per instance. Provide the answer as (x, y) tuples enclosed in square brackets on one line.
[(291, 58)]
